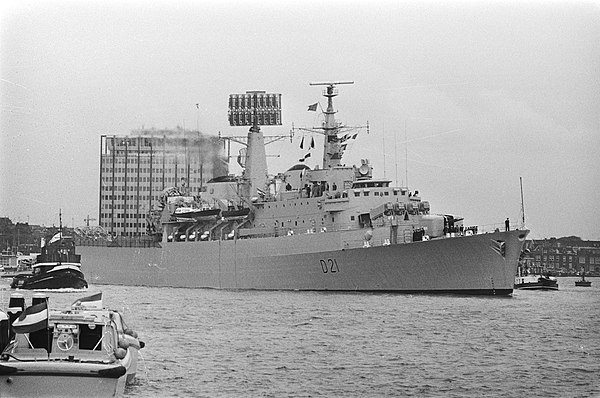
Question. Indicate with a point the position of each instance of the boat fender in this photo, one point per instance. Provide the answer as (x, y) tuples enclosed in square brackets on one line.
[(131, 333), (126, 341), (120, 353)]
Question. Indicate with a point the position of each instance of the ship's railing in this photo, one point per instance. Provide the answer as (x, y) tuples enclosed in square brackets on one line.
[(404, 236), (487, 228), (119, 242)]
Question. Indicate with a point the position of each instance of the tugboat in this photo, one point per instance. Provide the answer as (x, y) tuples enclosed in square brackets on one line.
[(86, 350), (527, 281), (536, 282), (57, 267), (582, 282)]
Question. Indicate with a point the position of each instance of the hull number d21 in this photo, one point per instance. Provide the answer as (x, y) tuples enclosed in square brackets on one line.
[(329, 265)]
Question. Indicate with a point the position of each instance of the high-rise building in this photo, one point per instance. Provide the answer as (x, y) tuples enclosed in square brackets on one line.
[(135, 169)]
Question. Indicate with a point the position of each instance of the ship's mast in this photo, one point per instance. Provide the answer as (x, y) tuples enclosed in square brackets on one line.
[(60, 222), (332, 152)]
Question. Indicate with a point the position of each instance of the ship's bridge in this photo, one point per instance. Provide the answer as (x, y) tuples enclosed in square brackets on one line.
[(370, 184)]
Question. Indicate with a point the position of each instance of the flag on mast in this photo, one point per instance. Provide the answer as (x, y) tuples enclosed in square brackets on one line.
[(55, 238), (313, 107)]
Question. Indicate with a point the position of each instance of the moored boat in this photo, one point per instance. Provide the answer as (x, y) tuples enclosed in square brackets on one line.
[(536, 282), (583, 282), (86, 350), (57, 267)]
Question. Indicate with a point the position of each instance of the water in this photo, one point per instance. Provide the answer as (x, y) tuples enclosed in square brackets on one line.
[(212, 343)]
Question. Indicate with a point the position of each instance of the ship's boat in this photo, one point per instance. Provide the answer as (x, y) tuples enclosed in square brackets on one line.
[(235, 213), (86, 350), (191, 212), (57, 267), (186, 207), (583, 282), (536, 282), (328, 228)]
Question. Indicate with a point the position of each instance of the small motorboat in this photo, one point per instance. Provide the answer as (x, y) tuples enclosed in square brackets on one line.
[(582, 282), (84, 351), (536, 282), (57, 267)]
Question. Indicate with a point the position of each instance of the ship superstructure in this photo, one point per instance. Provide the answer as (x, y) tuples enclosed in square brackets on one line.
[(329, 228), (334, 197)]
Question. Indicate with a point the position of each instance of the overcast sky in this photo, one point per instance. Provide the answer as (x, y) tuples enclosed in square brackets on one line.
[(483, 92)]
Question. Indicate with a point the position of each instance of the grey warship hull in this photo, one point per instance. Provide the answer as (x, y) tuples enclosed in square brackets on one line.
[(329, 228), (476, 264)]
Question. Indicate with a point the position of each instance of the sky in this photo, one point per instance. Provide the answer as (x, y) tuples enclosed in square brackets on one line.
[(463, 99)]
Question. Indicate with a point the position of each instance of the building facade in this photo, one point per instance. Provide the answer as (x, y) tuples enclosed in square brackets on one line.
[(567, 256), (136, 169)]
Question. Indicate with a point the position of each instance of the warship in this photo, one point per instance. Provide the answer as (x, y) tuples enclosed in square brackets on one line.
[(328, 228)]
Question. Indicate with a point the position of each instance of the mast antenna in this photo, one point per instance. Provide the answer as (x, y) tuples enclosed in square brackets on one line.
[(405, 153), (396, 156), (383, 142), (60, 222), (522, 204)]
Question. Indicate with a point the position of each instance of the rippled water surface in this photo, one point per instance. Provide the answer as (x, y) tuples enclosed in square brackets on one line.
[(213, 343)]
